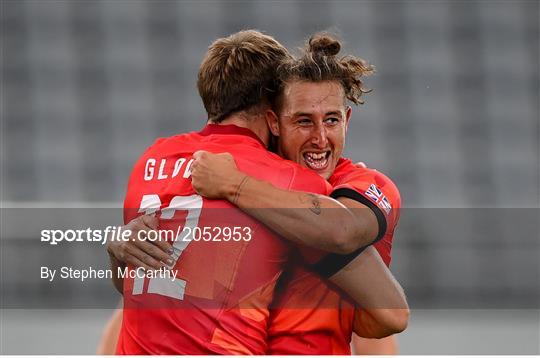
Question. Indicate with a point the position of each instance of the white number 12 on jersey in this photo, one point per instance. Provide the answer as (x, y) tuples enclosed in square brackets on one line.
[(149, 205)]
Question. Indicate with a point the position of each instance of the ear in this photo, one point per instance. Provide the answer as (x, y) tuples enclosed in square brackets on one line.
[(273, 122), (348, 113)]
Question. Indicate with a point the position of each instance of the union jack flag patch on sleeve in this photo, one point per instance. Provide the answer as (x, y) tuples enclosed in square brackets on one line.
[(375, 194)]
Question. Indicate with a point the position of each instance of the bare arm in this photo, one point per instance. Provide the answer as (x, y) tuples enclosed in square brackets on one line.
[(327, 224), (366, 346), (383, 306)]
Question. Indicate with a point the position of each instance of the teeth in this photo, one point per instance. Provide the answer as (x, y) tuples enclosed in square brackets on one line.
[(316, 160), (316, 156)]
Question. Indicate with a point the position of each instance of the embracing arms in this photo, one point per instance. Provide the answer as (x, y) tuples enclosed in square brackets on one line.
[(363, 276), (383, 306), (345, 227), (216, 176)]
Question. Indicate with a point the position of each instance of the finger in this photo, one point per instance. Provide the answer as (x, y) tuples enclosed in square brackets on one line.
[(164, 245), (199, 154), (139, 233), (226, 155), (150, 221), (198, 190), (138, 263), (155, 252), (144, 258), (114, 248)]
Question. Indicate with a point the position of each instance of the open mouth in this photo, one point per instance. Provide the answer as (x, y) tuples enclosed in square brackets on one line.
[(316, 160)]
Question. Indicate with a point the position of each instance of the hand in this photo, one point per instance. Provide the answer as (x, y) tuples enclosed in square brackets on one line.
[(215, 176), (151, 255)]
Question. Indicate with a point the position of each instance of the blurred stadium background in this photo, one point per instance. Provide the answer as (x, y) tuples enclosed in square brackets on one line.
[(453, 119)]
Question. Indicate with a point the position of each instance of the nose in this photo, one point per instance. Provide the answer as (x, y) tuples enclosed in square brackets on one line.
[(319, 137)]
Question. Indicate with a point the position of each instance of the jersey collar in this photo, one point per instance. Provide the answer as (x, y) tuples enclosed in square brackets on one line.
[(229, 129)]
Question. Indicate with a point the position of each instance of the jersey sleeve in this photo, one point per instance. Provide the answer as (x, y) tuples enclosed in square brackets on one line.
[(380, 194), (377, 192)]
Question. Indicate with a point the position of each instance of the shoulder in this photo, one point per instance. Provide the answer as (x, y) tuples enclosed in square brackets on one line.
[(368, 181), (172, 142)]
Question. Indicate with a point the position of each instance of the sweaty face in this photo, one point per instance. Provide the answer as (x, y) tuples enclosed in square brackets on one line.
[(312, 124)]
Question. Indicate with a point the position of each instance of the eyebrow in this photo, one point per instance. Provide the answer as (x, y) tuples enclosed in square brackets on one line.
[(335, 113), (300, 114)]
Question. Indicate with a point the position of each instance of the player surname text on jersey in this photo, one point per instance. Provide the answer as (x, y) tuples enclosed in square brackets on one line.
[(89, 273), (156, 169)]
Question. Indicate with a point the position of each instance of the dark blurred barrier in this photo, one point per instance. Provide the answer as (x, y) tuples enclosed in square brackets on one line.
[(474, 258)]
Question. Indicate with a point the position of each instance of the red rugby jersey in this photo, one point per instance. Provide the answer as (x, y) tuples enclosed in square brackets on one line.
[(313, 316), (218, 302)]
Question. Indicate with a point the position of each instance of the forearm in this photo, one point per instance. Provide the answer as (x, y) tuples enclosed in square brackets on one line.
[(372, 286), (383, 346), (367, 323), (314, 220), (379, 322)]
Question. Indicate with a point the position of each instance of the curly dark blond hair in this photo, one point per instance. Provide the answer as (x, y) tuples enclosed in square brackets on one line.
[(319, 61)]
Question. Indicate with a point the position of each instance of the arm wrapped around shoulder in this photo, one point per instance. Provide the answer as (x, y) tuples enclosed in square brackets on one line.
[(380, 322), (383, 308)]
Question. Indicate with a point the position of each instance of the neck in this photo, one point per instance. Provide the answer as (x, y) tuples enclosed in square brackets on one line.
[(256, 124)]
